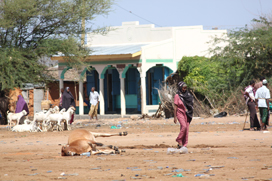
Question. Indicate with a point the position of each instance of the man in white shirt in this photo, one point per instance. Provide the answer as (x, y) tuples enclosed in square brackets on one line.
[(94, 101), (250, 101), (262, 98)]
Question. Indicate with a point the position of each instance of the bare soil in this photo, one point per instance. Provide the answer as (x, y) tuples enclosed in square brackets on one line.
[(218, 148)]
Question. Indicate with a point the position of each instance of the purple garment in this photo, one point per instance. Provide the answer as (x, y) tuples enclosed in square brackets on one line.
[(21, 105)]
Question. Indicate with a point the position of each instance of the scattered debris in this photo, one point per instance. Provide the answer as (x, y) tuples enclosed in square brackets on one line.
[(232, 158), (178, 175)]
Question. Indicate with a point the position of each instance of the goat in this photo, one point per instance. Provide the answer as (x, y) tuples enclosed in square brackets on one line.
[(40, 117), (56, 109), (57, 118), (15, 117), (81, 141), (32, 127)]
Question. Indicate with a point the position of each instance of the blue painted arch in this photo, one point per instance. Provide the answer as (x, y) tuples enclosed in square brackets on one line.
[(125, 70), (64, 71), (102, 76), (154, 78)]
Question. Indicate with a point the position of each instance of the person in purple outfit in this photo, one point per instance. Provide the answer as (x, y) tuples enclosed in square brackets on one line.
[(21, 105)]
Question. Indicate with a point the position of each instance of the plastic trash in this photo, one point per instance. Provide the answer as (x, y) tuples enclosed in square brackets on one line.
[(136, 169), (178, 175), (49, 171), (182, 150), (178, 170), (202, 175), (192, 160), (113, 127), (119, 125), (86, 154), (95, 168), (232, 158), (62, 178)]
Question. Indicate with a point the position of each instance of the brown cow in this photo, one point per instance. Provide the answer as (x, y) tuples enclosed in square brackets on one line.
[(81, 141)]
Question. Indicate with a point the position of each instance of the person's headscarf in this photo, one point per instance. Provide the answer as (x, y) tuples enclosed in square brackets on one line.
[(21, 105), (67, 99), (187, 100)]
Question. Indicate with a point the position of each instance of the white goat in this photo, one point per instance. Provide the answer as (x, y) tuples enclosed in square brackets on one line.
[(32, 127), (53, 119), (40, 117), (63, 110), (56, 109), (15, 117)]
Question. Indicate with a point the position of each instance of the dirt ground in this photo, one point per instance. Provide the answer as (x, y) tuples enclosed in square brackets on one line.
[(218, 149)]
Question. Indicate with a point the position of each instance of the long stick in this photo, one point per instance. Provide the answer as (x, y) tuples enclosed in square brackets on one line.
[(245, 121)]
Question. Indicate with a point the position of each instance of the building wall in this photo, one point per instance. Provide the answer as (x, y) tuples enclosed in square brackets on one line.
[(13, 94), (53, 96), (193, 40), (165, 47), (130, 32), (54, 92)]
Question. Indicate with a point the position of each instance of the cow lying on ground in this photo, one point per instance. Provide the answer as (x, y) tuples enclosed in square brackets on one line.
[(81, 141), (15, 117)]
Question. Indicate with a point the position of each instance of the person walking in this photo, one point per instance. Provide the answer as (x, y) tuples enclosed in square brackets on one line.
[(68, 101), (94, 101), (262, 100), (249, 95), (183, 113)]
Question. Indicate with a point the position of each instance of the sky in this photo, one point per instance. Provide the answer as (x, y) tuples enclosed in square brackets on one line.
[(224, 14)]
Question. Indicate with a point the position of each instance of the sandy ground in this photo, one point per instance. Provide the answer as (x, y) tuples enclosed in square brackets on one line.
[(218, 148)]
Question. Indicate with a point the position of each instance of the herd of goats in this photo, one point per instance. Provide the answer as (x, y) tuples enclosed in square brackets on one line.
[(42, 121)]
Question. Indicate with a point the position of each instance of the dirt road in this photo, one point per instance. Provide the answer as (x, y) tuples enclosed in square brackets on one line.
[(219, 150)]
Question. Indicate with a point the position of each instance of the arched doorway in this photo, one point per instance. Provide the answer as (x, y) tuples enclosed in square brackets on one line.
[(133, 91), (154, 78), (92, 78), (112, 91)]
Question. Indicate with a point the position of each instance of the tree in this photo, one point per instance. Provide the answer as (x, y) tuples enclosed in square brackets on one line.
[(30, 29), (248, 49)]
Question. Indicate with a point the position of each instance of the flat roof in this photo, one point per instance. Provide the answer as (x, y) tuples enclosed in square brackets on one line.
[(116, 49)]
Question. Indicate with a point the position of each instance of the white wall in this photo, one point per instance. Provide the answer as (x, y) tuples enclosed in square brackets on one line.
[(193, 40), (160, 50), (129, 33)]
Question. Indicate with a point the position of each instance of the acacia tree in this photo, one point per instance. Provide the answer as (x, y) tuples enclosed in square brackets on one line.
[(250, 49), (33, 28)]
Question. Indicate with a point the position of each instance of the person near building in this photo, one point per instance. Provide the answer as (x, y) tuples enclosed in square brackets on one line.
[(68, 101), (183, 113), (94, 101), (262, 100), (21, 105), (249, 95)]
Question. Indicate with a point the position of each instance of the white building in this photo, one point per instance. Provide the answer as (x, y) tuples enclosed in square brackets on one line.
[(129, 63)]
